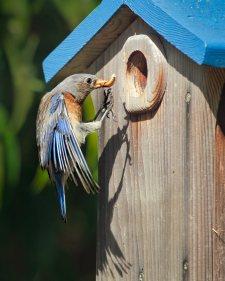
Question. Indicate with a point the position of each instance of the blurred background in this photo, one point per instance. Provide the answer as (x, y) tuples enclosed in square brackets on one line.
[(35, 244)]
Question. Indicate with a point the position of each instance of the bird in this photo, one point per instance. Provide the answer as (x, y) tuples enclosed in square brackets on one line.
[(60, 132)]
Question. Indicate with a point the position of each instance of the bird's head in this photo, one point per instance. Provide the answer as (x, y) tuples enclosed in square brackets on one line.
[(81, 85)]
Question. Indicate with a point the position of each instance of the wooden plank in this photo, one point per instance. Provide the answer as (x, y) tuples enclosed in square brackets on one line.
[(200, 178), (219, 192), (155, 213)]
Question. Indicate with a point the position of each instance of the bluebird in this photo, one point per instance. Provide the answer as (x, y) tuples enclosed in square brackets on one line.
[(60, 132)]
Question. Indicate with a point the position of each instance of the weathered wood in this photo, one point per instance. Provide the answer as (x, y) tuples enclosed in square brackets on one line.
[(146, 71), (219, 193), (157, 173)]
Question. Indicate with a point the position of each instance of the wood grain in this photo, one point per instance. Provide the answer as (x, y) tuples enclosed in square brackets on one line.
[(152, 67), (219, 194), (157, 174)]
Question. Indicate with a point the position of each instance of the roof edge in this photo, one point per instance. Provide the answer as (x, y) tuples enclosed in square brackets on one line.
[(150, 11), (215, 54), (79, 37)]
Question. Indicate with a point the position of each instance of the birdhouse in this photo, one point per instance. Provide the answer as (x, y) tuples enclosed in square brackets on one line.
[(161, 211)]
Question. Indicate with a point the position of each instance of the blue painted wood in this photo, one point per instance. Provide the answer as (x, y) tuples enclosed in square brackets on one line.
[(195, 27), (78, 38)]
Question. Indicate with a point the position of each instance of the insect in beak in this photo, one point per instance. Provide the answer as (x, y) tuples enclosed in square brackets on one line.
[(105, 83)]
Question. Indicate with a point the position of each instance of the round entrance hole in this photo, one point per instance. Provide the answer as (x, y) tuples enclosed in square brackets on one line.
[(137, 72)]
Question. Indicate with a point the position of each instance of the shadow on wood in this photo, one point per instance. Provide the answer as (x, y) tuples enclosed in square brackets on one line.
[(108, 248)]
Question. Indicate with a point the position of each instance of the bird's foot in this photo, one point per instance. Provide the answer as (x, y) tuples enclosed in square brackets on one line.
[(108, 104), (108, 99)]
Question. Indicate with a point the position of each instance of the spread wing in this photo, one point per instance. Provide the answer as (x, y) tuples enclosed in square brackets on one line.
[(57, 142)]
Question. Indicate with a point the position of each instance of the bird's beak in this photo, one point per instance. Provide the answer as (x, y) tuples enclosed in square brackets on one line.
[(105, 83)]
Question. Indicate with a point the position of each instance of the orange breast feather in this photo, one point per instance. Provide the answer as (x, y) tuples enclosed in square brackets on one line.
[(73, 108)]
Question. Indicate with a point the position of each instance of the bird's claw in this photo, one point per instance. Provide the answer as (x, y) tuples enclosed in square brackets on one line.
[(114, 118), (108, 101), (108, 104)]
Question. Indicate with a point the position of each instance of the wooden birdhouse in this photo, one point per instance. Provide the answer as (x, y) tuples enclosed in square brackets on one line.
[(161, 213)]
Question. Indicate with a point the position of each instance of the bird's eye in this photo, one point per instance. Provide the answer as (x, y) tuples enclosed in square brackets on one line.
[(89, 80)]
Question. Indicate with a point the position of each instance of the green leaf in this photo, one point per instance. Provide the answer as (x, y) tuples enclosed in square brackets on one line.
[(2, 174), (91, 147), (25, 81), (3, 119), (74, 11), (41, 179), (11, 149), (12, 156)]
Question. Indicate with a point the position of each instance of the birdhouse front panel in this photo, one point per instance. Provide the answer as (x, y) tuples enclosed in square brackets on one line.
[(157, 162)]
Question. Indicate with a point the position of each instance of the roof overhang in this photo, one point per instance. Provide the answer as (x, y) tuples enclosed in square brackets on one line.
[(195, 28)]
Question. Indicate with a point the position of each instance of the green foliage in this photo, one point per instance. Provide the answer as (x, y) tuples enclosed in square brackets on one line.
[(91, 151), (35, 244)]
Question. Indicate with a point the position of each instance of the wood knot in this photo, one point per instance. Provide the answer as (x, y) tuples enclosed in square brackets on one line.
[(185, 265), (188, 97), (141, 275)]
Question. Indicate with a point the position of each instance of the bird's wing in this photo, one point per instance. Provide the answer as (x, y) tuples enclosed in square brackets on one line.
[(57, 142)]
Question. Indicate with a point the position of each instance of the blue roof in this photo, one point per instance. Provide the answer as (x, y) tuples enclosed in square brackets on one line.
[(195, 27)]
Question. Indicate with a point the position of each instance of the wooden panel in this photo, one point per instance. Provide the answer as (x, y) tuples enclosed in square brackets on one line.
[(219, 194), (157, 175)]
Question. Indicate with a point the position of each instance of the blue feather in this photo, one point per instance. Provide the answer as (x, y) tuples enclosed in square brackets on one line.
[(60, 194), (59, 149), (56, 102), (62, 126)]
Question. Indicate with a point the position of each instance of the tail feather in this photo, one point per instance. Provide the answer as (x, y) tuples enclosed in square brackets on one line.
[(60, 189)]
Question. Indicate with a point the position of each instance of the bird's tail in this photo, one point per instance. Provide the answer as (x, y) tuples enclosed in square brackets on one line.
[(60, 189)]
